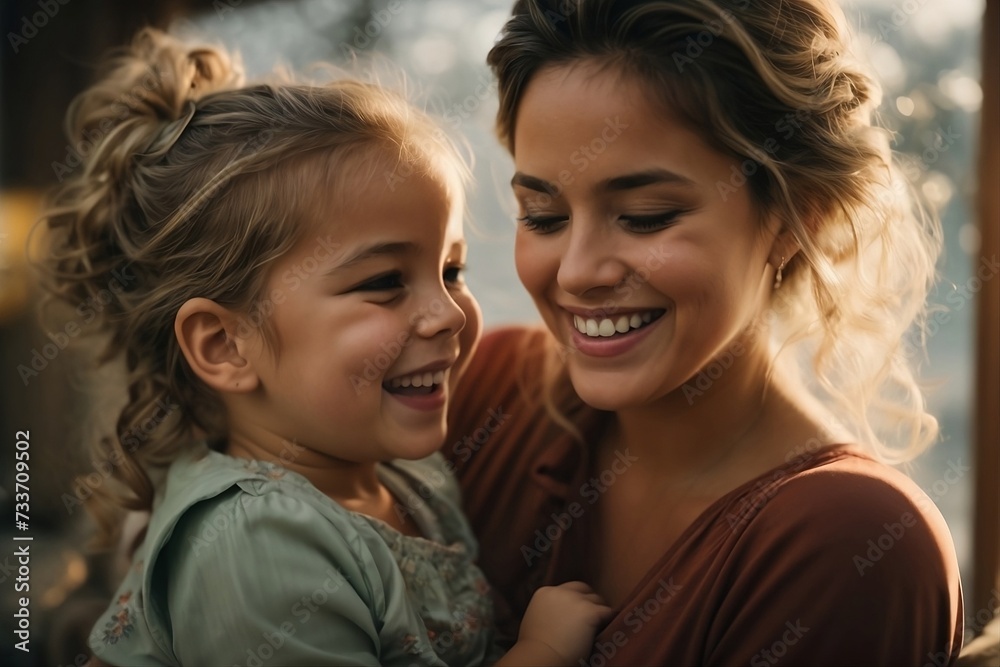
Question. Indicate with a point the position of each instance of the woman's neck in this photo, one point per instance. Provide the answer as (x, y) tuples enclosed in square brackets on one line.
[(741, 420)]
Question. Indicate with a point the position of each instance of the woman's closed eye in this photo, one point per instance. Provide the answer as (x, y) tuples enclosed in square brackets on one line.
[(654, 222), (543, 224)]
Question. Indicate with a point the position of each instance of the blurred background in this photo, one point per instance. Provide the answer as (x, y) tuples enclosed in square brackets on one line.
[(926, 52)]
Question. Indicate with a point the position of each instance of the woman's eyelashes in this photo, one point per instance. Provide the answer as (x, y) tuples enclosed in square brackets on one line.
[(640, 224), (543, 224), (644, 224)]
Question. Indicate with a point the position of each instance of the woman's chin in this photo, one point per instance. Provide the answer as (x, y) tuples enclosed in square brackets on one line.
[(601, 394)]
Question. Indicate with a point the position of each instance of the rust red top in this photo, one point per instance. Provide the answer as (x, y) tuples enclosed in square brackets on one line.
[(832, 558)]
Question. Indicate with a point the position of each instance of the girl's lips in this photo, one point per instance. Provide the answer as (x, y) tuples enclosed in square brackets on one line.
[(611, 346), (429, 402)]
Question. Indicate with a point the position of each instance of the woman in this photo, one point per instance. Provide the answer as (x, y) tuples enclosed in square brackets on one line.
[(727, 265)]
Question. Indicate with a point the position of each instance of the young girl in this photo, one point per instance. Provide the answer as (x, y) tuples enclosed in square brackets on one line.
[(287, 269)]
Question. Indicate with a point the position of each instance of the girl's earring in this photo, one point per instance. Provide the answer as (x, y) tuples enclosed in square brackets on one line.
[(777, 276)]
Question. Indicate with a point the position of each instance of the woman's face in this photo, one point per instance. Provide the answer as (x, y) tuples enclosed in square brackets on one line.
[(643, 258)]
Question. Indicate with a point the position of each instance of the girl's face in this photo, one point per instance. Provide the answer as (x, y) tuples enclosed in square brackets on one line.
[(372, 320), (644, 259)]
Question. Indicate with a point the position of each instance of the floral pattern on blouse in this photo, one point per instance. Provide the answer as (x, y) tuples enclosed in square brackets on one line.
[(121, 624)]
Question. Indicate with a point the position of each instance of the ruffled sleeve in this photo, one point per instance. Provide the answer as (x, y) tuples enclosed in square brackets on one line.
[(249, 576)]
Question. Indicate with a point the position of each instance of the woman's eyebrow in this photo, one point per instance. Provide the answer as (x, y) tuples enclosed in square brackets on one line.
[(614, 184), (641, 179), (535, 183)]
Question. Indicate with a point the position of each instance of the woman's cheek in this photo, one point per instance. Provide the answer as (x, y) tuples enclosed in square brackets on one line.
[(533, 263)]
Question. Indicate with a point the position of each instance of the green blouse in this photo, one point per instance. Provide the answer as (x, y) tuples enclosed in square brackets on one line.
[(247, 563)]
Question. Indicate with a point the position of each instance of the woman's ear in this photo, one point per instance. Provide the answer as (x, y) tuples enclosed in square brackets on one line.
[(207, 332), (783, 248)]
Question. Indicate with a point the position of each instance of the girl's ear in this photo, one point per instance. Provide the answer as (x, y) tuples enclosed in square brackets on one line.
[(207, 332)]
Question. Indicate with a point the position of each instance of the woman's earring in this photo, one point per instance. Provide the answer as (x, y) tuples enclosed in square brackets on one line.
[(777, 276)]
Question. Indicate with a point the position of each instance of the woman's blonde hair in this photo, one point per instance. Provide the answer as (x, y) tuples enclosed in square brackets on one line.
[(191, 186), (773, 84)]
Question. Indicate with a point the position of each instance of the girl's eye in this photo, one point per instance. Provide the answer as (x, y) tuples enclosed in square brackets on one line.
[(454, 275), (383, 283), (542, 224), (644, 224)]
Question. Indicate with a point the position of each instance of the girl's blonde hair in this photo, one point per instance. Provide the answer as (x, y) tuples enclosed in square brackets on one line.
[(773, 85), (192, 186)]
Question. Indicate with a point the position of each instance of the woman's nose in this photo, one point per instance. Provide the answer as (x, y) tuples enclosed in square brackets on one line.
[(589, 261)]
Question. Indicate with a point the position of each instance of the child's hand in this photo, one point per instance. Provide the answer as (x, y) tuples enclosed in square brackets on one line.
[(564, 619)]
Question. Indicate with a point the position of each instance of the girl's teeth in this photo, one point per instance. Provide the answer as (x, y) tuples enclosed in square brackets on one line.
[(606, 327), (427, 379)]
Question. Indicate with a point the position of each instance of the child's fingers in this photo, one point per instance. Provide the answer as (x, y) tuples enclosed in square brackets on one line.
[(578, 586)]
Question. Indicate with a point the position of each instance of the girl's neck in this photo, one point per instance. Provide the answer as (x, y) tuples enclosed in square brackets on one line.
[(350, 483)]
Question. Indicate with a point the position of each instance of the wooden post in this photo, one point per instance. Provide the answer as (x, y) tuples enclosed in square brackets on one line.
[(987, 402)]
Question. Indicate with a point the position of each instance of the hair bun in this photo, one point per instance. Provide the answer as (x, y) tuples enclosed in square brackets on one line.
[(140, 90)]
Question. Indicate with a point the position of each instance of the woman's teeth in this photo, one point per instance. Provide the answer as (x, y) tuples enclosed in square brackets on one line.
[(418, 380), (606, 327)]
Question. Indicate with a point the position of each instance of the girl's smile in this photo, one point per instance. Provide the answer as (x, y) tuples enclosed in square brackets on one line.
[(365, 347)]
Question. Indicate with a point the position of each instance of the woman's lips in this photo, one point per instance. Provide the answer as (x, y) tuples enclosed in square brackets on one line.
[(614, 335)]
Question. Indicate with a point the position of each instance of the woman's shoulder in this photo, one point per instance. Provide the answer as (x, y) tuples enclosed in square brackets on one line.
[(842, 508), (837, 539)]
